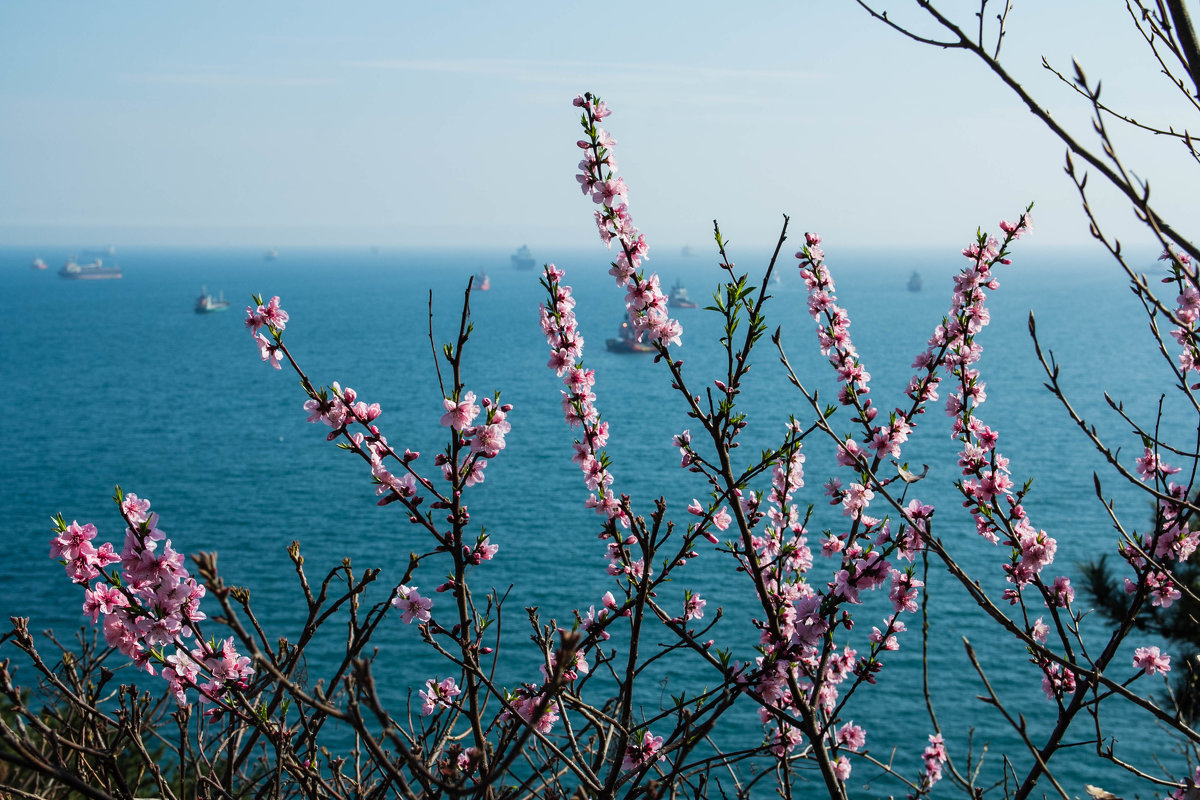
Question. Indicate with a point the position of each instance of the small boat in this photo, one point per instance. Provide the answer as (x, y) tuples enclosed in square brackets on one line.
[(627, 342), (206, 303), (686, 251), (271, 255), (482, 283), (914, 282), (39, 263), (678, 298), (523, 259), (92, 271)]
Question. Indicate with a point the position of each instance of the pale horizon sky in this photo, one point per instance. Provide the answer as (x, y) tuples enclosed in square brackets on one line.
[(290, 124)]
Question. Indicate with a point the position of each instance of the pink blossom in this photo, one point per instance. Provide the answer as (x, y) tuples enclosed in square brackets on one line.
[(721, 519), (1151, 661), (154, 604), (851, 736), (934, 757), (889, 642), (103, 599), (1019, 228), (460, 414), (274, 316), (488, 440), (645, 754), (856, 499), (579, 666), (525, 702), (1162, 589), (903, 593), (1057, 681), (271, 352), (415, 607), (70, 542), (1149, 466), (135, 509), (484, 550), (438, 695)]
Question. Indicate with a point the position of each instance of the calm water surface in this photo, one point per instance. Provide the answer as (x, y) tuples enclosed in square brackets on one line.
[(120, 382)]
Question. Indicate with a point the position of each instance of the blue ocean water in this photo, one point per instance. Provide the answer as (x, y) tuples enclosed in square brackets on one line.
[(120, 382)]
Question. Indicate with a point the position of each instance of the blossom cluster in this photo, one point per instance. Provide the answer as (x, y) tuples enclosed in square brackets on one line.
[(805, 613), (933, 757), (640, 755), (477, 443), (880, 440), (525, 702), (998, 511), (1187, 310), (644, 298), (353, 420), (578, 399), (340, 410), (438, 695), (864, 547), (1172, 540), (986, 476), (270, 316), (152, 604)]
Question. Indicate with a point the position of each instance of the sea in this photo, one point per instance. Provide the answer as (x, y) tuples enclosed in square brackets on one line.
[(120, 382)]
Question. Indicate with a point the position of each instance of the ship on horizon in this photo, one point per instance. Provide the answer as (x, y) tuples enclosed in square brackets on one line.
[(678, 298), (523, 259), (92, 271), (206, 303), (628, 342)]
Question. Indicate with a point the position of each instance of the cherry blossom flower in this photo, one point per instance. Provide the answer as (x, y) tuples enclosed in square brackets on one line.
[(152, 604), (415, 608), (1151, 661), (438, 695), (645, 754), (460, 414)]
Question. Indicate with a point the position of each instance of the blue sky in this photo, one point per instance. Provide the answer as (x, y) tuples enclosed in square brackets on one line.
[(292, 123)]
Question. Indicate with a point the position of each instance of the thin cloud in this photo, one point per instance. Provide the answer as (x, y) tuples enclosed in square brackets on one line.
[(572, 71), (223, 79)]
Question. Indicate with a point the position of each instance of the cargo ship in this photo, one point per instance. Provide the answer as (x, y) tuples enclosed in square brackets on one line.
[(206, 303), (523, 259), (92, 271)]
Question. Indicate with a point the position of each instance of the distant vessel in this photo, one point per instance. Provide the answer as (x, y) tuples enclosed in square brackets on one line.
[(686, 251), (626, 342), (206, 303), (38, 263), (914, 282), (482, 282), (92, 271), (271, 255), (679, 297), (523, 259)]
